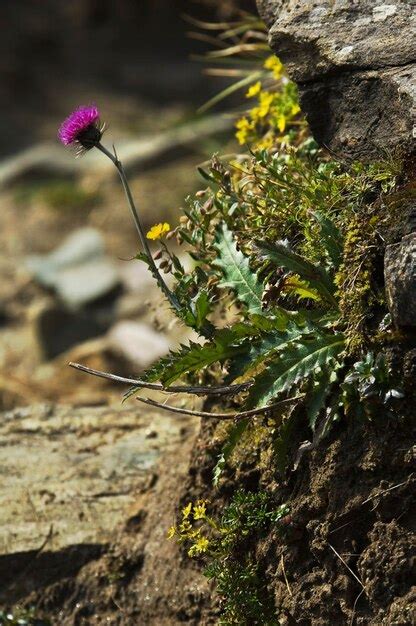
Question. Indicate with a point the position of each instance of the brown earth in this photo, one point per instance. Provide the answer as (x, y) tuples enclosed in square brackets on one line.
[(347, 556)]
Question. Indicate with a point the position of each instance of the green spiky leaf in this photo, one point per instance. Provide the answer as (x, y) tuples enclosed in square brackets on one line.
[(299, 360), (238, 276), (225, 344), (331, 238), (281, 254)]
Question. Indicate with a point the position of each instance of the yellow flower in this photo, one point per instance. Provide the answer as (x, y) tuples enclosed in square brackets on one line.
[(157, 231), (265, 101), (281, 123), (243, 126), (186, 511), (254, 90), (200, 510), (171, 532), (265, 143), (274, 64), (199, 547), (185, 527)]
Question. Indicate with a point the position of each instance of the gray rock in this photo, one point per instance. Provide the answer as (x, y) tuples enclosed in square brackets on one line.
[(400, 280), (78, 270), (78, 469), (138, 344), (355, 65)]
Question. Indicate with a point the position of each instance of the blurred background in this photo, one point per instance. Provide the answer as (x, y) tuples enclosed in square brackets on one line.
[(71, 455), (67, 291)]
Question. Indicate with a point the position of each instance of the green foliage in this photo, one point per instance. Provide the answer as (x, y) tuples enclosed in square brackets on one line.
[(370, 384), (224, 544), (282, 255), (236, 271), (293, 365), (226, 343), (289, 237)]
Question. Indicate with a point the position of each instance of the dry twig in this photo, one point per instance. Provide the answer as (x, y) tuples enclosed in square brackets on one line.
[(221, 416), (196, 391)]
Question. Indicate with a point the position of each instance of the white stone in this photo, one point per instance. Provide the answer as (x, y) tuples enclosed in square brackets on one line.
[(137, 343), (384, 11)]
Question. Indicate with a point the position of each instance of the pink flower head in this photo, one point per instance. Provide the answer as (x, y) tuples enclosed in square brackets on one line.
[(82, 127)]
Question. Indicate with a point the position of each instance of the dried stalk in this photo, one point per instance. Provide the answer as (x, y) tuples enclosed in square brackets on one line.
[(221, 416), (197, 391)]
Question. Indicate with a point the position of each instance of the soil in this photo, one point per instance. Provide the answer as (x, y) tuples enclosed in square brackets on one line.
[(348, 554), (347, 557)]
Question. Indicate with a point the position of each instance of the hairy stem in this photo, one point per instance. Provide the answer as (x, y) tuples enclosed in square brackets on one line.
[(153, 267)]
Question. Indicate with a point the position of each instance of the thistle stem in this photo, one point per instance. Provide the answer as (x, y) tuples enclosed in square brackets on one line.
[(153, 267)]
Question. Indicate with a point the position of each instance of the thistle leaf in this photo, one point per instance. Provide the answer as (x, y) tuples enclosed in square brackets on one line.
[(281, 254), (238, 276), (225, 344), (317, 397), (263, 348), (297, 362), (331, 238)]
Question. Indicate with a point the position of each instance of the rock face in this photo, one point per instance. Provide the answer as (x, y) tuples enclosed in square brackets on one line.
[(355, 65), (400, 279)]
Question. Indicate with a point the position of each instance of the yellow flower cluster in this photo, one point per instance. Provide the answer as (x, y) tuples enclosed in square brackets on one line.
[(187, 531), (157, 231), (274, 113)]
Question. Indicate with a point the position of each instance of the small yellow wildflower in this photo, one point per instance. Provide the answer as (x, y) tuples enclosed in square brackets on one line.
[(199, 547), (274, 64), (157, 231), (186, 526), (266, 143), (243, 126), (281, 123), (265, 101), (295, 109), (171, 532), (200, 510), (254, 90), (186, 511)]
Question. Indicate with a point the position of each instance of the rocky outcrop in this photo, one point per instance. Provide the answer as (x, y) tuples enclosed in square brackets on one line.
[(400, 279), (355, 65)]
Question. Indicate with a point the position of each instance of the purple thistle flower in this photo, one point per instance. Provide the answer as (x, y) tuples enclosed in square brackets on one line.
[(82, 128)]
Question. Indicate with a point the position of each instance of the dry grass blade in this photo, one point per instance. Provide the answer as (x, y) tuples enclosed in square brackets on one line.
[(197, 391), (221, 416), (238, 49), (353, 574)]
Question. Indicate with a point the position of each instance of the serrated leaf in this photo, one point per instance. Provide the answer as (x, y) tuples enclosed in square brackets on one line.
[(196, 315), (226, 343), (294, 285), (316, 397), (238, 276), (281, 254), (331, 237), (294, 364), (262, 348)]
